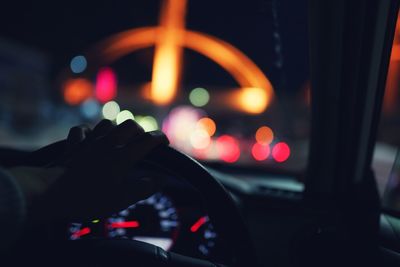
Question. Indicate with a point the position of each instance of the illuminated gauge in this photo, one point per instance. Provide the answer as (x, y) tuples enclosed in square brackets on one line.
[(78, 231), (153, 220), (205, 235), (91, 229)]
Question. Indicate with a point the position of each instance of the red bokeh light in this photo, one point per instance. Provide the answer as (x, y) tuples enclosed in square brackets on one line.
[(281, 152), (228, 148), (260, 152), (106, 85)]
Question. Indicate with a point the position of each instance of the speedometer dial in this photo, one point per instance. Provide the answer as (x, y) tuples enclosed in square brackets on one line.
[(153, 220)]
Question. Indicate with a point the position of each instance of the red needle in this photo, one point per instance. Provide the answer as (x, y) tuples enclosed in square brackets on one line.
[(198, 224), (128, 224), (83, 231)]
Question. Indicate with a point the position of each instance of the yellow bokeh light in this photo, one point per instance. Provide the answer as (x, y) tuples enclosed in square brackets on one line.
[(208, 125), (110, 110), (253, 99), (124, 115), (264, 135)]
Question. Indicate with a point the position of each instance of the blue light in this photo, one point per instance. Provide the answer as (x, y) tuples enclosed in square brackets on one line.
[(78, 64), (90, 109)]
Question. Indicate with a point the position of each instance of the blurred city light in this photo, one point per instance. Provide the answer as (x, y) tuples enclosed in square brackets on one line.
[(200, 139), (208, 125), (77, 90), (180, 123), (260, 152), (186, 127), (123, 116), (228, 148), (199, 97), (169, 38), (168, 52), (106, 85), (90, 109), (281, 152), (110, 110), (264, 135), (236, 63), (252, 99), (148, 123), (78, 64)]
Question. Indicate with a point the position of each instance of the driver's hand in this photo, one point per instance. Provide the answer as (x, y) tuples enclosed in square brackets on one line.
[(95, 181)]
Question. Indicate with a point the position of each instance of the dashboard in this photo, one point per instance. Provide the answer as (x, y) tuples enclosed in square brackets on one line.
[(173, 218)]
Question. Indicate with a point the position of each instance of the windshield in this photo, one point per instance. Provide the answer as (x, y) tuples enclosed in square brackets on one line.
[(227, 81)]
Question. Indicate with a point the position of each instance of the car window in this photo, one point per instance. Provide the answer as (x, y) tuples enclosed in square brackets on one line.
[(227, 81), (386, 159)]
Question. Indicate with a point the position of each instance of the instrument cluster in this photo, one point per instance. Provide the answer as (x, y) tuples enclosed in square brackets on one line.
[(173, 219)]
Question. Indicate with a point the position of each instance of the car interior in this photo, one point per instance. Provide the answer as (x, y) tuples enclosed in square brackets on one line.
[(282, 119)]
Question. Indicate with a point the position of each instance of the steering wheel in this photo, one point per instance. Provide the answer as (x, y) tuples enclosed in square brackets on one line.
[(221, 208)]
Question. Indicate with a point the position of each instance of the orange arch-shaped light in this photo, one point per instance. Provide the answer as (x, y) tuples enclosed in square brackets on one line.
[(243, 69)]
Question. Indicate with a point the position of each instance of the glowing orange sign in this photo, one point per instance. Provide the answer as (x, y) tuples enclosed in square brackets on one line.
[(169, 38), (393, 79)]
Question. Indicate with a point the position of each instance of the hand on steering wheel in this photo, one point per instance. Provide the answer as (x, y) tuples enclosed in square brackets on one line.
[(96, 164), (94, 184)]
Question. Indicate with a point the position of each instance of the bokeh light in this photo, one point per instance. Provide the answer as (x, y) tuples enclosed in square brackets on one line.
[(199, 97), (260, 152), (110, 110), (228, 148), (208, 125), (90, 109), (77, 90), (180, 124), (167, 60), (124, 115), (148, 123), (253, 99), (78, 64), (264, 135), (281, 152), (106, 85), (200, 139)]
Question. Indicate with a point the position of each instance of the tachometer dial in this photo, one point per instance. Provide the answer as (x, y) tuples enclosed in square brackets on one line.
[(204, 234), (153, 220), (93, 229), (78, 230)]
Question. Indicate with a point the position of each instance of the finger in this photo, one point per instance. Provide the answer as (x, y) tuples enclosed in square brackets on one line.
[(103, 128), (76, 135), (137, 149), (123, 133), (142, 145)]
